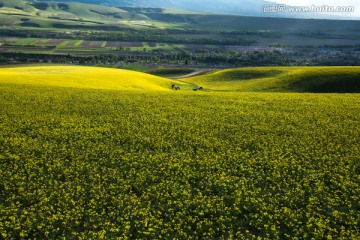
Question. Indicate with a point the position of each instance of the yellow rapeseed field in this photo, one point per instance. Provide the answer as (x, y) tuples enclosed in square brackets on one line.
[(80, 161), (83, 77)]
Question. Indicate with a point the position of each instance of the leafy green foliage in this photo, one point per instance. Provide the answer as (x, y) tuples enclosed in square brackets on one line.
[(134, 164)]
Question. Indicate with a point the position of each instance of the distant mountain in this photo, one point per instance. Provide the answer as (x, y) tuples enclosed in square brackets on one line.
[(236, 7), (183, 24), (75, 15)]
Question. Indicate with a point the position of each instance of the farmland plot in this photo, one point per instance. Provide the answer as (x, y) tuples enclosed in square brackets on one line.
[(92, 44), (78, 160)]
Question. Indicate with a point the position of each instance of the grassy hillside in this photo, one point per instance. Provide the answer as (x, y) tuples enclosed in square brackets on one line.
[(262, 79), (70, 14), (83, 77), (63, 15), (269, 79), (282, 79)]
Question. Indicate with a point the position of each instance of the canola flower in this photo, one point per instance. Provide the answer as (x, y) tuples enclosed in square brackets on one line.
[(91, 163)]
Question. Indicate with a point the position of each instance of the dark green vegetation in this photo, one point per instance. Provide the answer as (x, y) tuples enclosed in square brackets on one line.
[(144, 58), (170, 72), (104, 164), (280, 79)]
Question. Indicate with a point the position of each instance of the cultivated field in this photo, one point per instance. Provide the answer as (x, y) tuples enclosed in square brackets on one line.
[(105, 153), (193, 29), (92, 44), (124, 44), (83, 46), (83, 77)]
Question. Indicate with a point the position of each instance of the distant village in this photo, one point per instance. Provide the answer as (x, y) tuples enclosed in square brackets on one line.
[(195, 56)]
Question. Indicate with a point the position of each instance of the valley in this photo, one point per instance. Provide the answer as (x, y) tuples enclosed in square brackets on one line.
[(169, 37)]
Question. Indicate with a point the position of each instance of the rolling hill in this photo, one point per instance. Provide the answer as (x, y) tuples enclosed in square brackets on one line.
[(259, 79), (72, 15), (55, 14), (282, 79), (236, 7), (83, 77), (242, 7)]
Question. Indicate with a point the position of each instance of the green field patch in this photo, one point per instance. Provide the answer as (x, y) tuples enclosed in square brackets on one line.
[(8, 20), (41, 42), (247, 74), (282, 79), (30, 50), (146, 45), (79, 42), (65, 43), (25, 41)]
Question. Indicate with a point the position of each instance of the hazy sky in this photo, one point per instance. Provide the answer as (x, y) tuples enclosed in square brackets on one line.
[(355, 3)]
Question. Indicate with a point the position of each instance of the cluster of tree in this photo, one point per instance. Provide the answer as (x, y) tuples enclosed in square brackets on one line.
[(226, 58), (128, 35)]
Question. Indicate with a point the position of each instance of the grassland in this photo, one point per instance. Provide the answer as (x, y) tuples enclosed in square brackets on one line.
[(105, 153), (70, 16), (282, 79)]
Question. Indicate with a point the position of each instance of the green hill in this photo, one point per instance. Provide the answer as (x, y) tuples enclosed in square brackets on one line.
[(56, 14), (79, 15), (282, 79), (261, 79)]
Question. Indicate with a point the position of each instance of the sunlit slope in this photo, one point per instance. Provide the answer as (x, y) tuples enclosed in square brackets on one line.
[(83, 77), (282, 79)]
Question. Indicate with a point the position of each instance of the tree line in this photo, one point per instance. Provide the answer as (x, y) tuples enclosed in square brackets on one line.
[(225, 58), (127, 35)]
